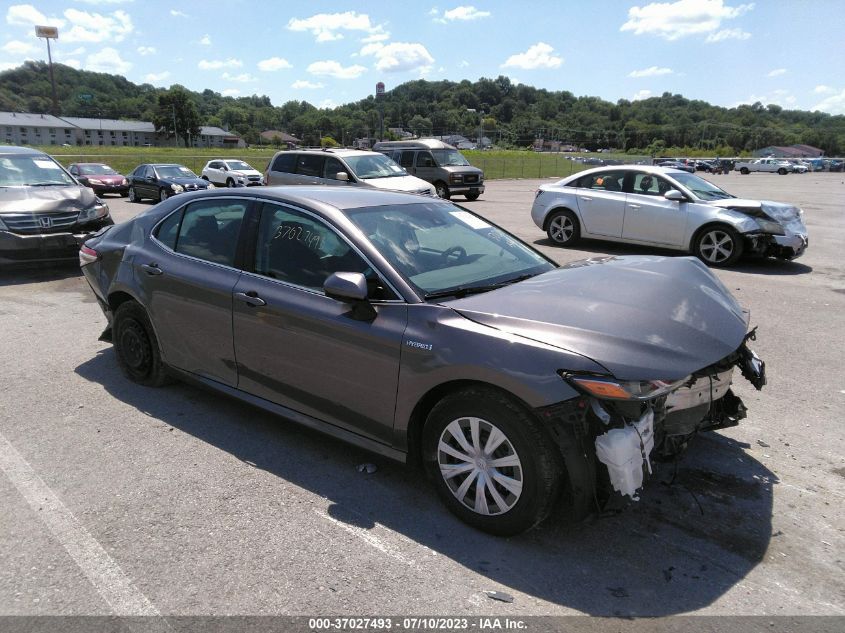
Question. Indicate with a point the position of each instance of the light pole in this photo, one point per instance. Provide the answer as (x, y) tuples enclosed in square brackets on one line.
[(50, 33), (480, 126)]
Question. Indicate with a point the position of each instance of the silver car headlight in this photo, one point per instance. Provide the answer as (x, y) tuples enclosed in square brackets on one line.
[(99, 210), (767, 226), (177, 188)]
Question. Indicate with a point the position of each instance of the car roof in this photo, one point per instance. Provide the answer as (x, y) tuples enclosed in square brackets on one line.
[(651, 169), (14, 149), (344, 197), (341, 151)]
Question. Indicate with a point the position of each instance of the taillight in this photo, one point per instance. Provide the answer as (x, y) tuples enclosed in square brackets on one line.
[(87, 255)]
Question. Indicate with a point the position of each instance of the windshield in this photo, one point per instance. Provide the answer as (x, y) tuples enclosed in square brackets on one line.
[(38, 171), (449, 158), (439, 247), (374, 166), (701, 188), (238, 165), (96, 170), (174, 171)]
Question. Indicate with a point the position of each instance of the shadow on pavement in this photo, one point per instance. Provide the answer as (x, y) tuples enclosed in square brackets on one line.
[(19, 274), (698, 529)]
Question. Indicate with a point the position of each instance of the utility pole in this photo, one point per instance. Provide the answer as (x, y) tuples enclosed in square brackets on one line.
[(50, 33), (175, 131), (379, 98)]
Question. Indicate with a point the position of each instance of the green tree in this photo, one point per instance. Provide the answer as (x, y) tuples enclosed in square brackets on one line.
[(177, 108)]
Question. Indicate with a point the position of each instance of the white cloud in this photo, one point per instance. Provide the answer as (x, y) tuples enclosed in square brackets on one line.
[(28, 15), (399, 56), (834, 104), (463, 64), (327, 104), (242, 78), (651, 71), (231, 92), (376, 37), (18, 48), (273, 63), (146, 50), (107, 61), (538, 56), (727, 34), (217, 64), (156, 77), (105, 1), (73, 63), (462, 13), (302, 84), (8, 65), (178, 14), (821, 89), (641, 94), (326, 27), (776, 97), (95, 27), (331, 68), (777, 72), (205, 40), (674, 20)]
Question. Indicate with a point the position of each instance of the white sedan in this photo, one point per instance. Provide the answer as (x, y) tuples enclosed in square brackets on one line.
[(667, 208)]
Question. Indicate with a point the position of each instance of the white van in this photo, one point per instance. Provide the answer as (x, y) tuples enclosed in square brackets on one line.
[(438, 163), (341, 167)]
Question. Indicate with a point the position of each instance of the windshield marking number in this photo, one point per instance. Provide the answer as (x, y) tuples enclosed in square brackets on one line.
[(426, 346)]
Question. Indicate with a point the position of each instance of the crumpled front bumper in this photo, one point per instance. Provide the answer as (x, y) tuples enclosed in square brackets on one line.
[(789, 246), (46, 247)]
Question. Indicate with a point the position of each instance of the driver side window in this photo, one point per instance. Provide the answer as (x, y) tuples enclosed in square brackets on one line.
[(650, 185)]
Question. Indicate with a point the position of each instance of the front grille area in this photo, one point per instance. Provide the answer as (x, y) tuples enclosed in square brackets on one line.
[(35, 223), (190, 187), (470, 178)]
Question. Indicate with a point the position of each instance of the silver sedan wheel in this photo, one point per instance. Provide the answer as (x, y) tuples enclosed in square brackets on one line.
[(561, 229), (716, 246), (480, 466)]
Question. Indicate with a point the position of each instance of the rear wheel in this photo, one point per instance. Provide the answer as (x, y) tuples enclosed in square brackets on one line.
[(442, 190), (136, 346), (563, 228), (718, 246), (744, 171), (782, 171), (492, 464)]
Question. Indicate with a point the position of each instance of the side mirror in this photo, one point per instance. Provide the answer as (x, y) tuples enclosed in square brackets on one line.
[(342, 175), (351, 288), (675, 196)]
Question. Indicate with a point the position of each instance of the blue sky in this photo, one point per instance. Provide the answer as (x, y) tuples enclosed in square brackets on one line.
[(725, 52)]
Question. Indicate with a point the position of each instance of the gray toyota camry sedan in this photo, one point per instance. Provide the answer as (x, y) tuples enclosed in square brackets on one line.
[(419, 330)]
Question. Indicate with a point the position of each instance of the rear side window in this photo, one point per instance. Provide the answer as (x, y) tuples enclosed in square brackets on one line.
[(407, 158), (168, 230), (285, 163), (209, 230), (309, 165)]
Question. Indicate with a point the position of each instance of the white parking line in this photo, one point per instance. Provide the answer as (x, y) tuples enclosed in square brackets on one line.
[(100, 568), (370, 539)]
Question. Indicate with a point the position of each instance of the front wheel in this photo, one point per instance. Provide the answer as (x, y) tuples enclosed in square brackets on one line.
[(230, 183), (442, 190), (133, 196), (718, 246), (163, 195), (782, 171), (563, 228), (136, 346), (472, 196), (492, 464)]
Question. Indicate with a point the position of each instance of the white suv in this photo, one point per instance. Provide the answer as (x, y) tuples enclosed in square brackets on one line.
[(228, 172), (342, 167)]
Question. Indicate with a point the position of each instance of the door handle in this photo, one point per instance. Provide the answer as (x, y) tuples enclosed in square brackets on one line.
[(152, 269), (586, 198), (633, 206), (250, 298)]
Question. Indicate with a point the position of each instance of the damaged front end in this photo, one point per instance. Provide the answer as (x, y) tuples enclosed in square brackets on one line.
[(611, 434)]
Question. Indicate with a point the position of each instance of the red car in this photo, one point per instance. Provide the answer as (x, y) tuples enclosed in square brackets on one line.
[(101, 178)]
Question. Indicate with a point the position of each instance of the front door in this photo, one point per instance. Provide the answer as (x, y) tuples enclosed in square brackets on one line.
[(303, 350), (649, 217)]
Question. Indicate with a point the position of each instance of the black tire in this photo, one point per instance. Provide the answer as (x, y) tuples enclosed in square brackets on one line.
[(782, 171), (442, 190), (205, 178), (136, 346), (536, 464), (718, 245), (230, 183), (563, 228), (744, 171), (133, 196), (163, 195), (472, 197)]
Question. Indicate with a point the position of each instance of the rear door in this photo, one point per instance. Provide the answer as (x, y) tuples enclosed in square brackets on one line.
[(649, 217), (601, 202), (303, 350), (309, 169), (187, 273)]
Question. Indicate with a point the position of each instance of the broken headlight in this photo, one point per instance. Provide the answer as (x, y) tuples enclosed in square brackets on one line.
[(770, 227), (608, 388)]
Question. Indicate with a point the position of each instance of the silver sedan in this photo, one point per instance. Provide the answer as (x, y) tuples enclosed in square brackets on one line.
[(667, 208)]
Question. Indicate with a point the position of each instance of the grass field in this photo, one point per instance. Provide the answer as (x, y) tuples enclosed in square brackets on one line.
[(495, 164)]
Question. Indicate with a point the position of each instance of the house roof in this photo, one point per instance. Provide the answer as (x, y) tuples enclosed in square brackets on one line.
[(26, 119), (211, 130), (269, 135), (89, 123)]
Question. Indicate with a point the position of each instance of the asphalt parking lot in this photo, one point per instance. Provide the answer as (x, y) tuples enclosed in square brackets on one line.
[(118, 499)]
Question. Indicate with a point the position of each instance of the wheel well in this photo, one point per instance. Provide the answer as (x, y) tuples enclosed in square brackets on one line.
[(420, 413), (552, 212), (116, 299), (707, 227)]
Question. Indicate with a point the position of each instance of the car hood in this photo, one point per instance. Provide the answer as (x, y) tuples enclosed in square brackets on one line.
[(642, 318), (399, 183), (246, 172), (199, 182), (41, 199), (787, 214), (112, 179)]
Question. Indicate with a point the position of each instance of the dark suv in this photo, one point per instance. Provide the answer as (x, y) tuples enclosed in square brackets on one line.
[(44, 213)]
